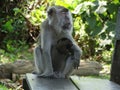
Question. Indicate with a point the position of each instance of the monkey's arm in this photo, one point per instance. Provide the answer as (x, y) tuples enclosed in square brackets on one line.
[(46, 50), (77, 52)]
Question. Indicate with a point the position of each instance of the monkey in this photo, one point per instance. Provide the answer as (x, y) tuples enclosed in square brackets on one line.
[(63, 49), (64, 45), (57, 25)]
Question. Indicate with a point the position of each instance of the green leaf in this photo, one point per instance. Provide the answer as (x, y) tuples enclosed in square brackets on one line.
[(91, 21), (111, 26), (16, 10), (103, 35), (8, 26), (96, 30), (93, 31), (101, 10), (62, 3), (112, 8), (83, 7), (115, 1)]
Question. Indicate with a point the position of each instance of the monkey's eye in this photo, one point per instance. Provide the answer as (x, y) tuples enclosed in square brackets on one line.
[(64, 10)]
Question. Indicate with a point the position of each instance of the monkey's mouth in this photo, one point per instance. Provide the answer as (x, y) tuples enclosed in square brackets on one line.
[(66, 26)]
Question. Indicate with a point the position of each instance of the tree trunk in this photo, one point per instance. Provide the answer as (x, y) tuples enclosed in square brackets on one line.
[(115, 69), (27, 66)]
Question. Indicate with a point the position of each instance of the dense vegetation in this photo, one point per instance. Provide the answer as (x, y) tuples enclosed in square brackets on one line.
[(94, 26)]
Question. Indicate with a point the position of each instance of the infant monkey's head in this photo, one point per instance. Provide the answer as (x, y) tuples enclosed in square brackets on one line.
[(64, 46)]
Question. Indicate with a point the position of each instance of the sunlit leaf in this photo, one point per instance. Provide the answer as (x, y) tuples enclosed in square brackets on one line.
[(101, 7), (83, 7), (101, 10), (116, 1), (17, 10), (62, 3)]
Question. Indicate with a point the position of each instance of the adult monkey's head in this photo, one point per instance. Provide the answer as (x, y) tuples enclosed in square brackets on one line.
[(60, 19)]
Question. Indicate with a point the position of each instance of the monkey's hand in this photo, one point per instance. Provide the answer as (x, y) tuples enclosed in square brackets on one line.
[(76, 55), (75, 63)]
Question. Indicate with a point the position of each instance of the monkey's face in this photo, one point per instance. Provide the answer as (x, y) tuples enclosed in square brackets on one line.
[(64, 46), (60, 18)]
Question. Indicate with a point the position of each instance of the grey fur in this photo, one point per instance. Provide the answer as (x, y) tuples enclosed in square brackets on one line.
[(57, 25)]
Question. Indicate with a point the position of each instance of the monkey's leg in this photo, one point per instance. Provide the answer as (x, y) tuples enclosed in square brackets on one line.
[(39, 62), (46, 53), (48, 69), (68, 67), (41, 65)]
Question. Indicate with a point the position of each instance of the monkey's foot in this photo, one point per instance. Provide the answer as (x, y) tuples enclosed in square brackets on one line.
[(43, 75), (34, 72), (59, 75)]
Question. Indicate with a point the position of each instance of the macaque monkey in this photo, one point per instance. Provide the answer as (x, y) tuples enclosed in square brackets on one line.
[(56, 32)]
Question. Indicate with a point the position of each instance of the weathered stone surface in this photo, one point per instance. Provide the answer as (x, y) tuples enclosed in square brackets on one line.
[(74, 83), (39, 83), (87, 83), (23, 66), (88, 68)]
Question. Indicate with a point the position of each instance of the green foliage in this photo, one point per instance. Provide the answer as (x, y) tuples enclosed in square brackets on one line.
[(94, 23), (7, 27), (97, 19), (37, 16), (13, 28), (17, 11), (2, 87), (15, 53)]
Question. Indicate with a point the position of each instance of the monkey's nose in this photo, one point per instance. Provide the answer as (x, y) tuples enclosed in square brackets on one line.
[(66, 26)]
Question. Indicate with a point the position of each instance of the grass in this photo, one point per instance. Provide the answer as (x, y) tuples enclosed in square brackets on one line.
[(100, 76), (23, 53), (2, 87)]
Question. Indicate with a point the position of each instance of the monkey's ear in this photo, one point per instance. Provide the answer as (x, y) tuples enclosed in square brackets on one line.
[(50, 11)]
